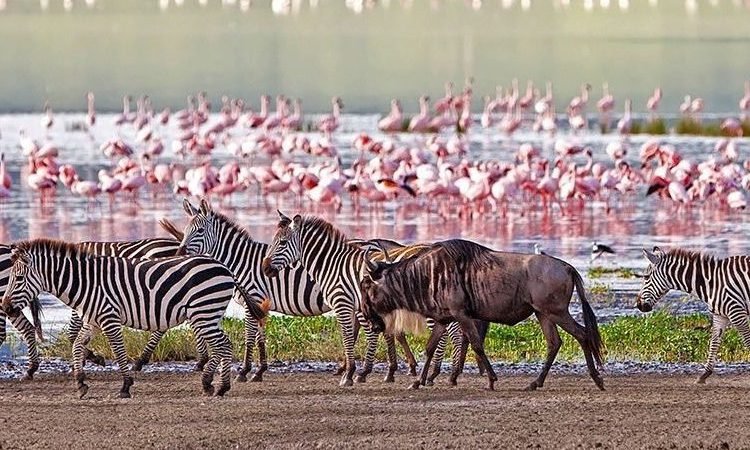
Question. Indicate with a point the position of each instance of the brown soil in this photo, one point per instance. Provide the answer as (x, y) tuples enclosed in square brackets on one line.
[(310, 410)]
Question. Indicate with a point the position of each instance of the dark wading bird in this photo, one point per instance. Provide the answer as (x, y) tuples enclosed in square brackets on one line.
[(598, 249), (461, 281)]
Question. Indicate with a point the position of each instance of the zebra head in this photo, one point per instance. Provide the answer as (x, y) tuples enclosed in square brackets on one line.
[(200, 234), (24, 285), (657, 280), (285, 249)]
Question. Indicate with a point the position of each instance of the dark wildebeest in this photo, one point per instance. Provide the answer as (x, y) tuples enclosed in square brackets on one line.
[(463, 281)]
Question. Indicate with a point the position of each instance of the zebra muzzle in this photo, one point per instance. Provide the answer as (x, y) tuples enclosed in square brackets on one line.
[(269, 270), (642, 306)]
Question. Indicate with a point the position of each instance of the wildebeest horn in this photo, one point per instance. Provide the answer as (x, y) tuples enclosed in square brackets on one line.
[(371, 266), (386, 258)]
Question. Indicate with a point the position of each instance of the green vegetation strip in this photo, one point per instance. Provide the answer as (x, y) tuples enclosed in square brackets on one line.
[(655, 337)]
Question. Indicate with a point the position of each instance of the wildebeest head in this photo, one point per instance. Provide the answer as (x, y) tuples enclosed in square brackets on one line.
[(200, 235), (285, 249), (657, 281), (374, 290)]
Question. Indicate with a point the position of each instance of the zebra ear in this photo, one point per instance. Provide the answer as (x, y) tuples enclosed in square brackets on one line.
[(652, 258), (283, 220), (189, 208), (17, 254), (205, 207), (658, 252), (297, 221)]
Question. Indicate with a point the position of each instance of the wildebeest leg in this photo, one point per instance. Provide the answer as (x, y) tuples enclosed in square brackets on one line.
[(410, 360), (477, 344), (432, 343), (567, 323), (549, 329)]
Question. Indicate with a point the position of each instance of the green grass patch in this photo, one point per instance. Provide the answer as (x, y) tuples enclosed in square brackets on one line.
[(649, 337), (620, 272)]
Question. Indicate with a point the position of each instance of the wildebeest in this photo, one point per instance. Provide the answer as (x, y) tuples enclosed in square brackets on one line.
[(462, 281)]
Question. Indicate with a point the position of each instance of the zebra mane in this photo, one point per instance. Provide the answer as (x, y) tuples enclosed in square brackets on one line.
[(56, 246), (318, 223), (232, 224), (690, 255)]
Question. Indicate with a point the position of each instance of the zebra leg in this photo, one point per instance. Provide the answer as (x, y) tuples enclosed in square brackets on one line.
[(202, 349), (372, 347), (221, 357), (251, 332), (437, 361), (3, 331), (342, 368), (82, 338), (459, 359), (718, 325), (28, 334), (390, 343), (260, 341), (410, 360), (112, 328), (432, 343), (148, 351), (223, 349), (73, 329), (345, 317)]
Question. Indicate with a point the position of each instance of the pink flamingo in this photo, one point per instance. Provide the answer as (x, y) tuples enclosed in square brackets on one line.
[(5, 180), (91, 110), (294, 121), (421, 122), (745, 101), (125, 117), (525, 102), (653, 102), (625, 123), (329, 123), (605, 105), (47, 119), (394, 120), (444, 104)]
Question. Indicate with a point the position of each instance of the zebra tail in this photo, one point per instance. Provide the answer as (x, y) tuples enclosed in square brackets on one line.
[(259, 310), (171, 228), (593, 338)]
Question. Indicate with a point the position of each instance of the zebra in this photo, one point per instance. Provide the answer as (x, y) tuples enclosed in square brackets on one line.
[(145, 248), (293, 293), (724, 284), (336, 265), (149, 294)]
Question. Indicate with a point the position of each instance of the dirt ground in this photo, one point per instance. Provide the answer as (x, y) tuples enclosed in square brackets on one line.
[(310, 410)]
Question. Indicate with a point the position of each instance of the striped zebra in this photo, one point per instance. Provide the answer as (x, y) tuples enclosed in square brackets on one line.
[(724, 284), (148, 294), (336, 265), (292, 293), (145, 248)]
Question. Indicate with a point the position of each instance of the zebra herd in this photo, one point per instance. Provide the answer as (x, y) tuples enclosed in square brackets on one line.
[(312, 268)]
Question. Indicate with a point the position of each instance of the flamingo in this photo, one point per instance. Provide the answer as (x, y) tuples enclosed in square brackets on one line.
[(653, 102), (393, 121), (421, 122), (47, 119), (444, 104), (294, 121), (625, 123), (125, 117), (605, 105), (91, 111), (745, 101), (328, 124), (5, 180)]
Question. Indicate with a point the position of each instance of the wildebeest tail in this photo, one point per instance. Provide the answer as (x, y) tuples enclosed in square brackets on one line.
[(171, 228), (258, 310), (593, 338)]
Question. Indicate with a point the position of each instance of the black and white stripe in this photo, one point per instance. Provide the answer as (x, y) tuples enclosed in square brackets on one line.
[(146, 294), (145, 248), (724, 284)]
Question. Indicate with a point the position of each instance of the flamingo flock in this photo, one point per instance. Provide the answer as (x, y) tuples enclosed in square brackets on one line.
[(273, 159)]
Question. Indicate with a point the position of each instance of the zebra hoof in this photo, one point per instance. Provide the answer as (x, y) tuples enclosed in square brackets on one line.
[(361, 378), (223, 389), (137, 366), (257, 378), (414, 386), (241, 377), (532, 386), (413, 370), (124, 394), (453, 382), (429, 383), (208, 388), (27, 377), (346, 382), (83, 388)]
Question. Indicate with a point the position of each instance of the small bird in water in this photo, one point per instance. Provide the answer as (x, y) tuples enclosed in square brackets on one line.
[(598, 249), (538, 250)]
